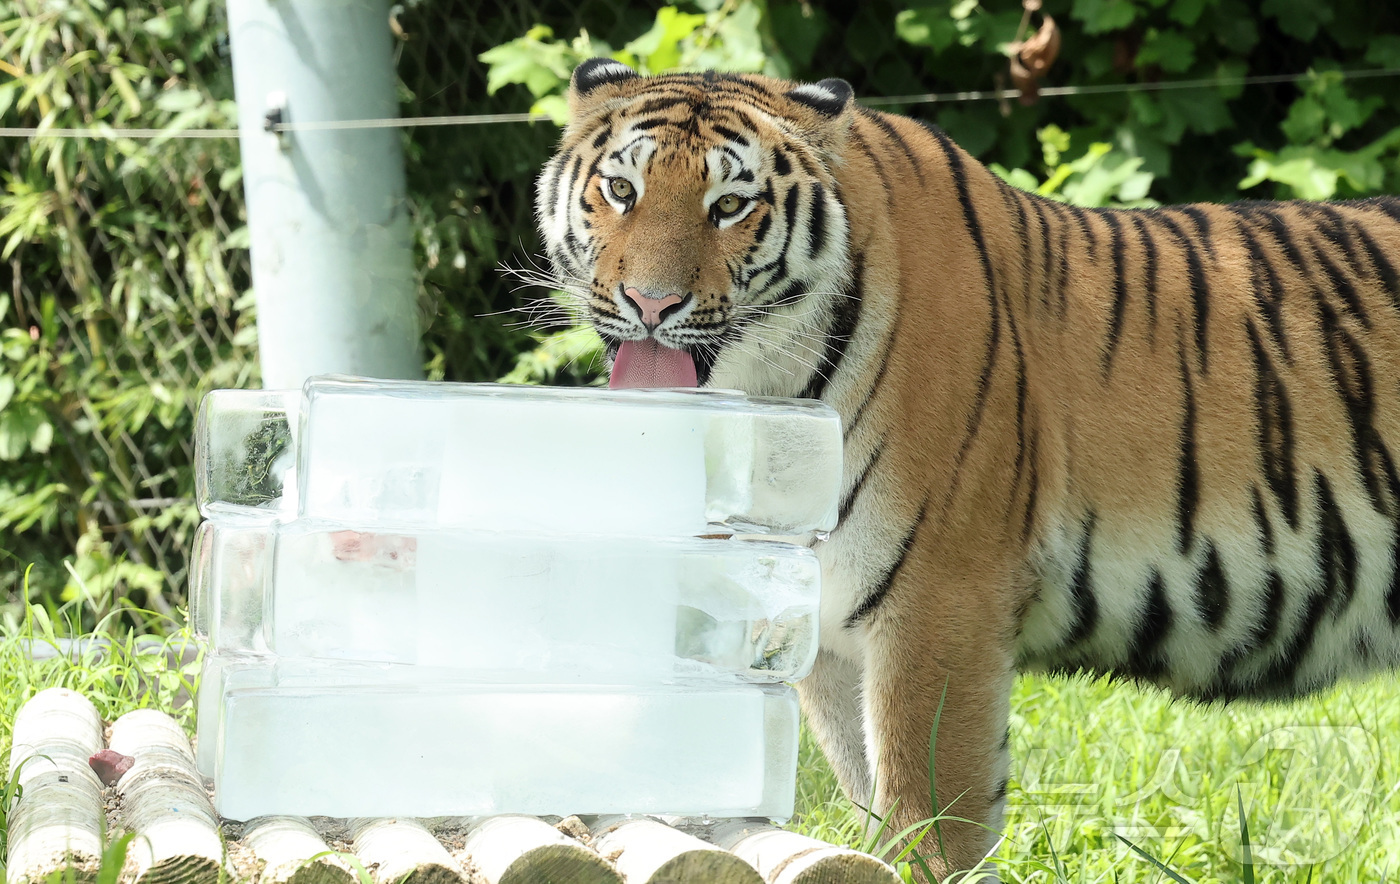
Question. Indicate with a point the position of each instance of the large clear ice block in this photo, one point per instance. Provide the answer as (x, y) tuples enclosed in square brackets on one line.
[(493, 457), (294, 745), (566, 608)]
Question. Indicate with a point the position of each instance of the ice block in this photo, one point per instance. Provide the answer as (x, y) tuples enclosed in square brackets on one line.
[(289, 745), (495, 457), (564, 608)]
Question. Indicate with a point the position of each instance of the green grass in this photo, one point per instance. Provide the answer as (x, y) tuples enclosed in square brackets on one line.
[(1110, 783), (1100, 769), (125, 676)]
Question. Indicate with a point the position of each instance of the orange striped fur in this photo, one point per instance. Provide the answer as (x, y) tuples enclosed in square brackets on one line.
[(1159, 443)]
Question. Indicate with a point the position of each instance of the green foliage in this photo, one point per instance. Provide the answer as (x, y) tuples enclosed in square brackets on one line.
[(572, 357), (724, 37), (1329, 137), (126, 292)]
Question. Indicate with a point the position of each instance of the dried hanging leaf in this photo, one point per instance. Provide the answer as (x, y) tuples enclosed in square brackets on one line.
[(1031, 59)]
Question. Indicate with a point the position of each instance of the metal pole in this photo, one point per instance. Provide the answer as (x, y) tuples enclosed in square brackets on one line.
[(332, 264)]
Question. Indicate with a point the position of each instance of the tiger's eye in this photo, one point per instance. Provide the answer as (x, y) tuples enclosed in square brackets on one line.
[(621, 188), (729, 204)]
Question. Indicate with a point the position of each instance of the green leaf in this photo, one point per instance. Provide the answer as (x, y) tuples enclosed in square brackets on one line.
[(926, 26), (963, 9), (1019, 178), (659, 48), (229, 178), (1384, 51), (1298, 18), (1102, 16), (542, 67), (1054, 143), (42, 437), (177, 100), (125, 90), (159, 26), (1188, 12), (1304, 174), (1306, 121), (577, 351), (1170, 50), (1236, 30), (556, 107), (737, 46), (7, 390), (798, 28), (1195, 110), (21, 425)]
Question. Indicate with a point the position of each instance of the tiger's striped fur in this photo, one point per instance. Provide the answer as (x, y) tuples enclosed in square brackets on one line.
[(1152, 442)]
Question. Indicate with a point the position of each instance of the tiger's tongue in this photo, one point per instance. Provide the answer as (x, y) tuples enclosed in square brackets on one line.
[(649, 364)]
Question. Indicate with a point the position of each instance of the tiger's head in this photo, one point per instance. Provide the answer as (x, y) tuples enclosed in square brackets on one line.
[(698, 221)]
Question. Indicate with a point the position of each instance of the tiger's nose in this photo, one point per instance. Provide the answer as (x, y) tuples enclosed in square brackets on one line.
[(652, 309)]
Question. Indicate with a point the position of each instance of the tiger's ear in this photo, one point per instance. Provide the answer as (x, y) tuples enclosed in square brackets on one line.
[(594, 82), (822, 112), (829, 97)]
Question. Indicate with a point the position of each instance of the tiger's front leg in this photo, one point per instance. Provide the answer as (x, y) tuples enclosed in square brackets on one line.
[(935, 632)]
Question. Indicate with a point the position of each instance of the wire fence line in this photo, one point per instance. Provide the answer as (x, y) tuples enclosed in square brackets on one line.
[(874, 101)]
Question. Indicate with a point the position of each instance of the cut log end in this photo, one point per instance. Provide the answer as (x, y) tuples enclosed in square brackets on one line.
[(845, 867), (315, 872), (189, 869), (553, 863), (705, 867), (426, 873)]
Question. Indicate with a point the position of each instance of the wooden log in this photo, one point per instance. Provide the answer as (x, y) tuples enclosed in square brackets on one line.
[(57, 823), (646, 851), (286, 846), (164, 803), (783, 857), (400, 851), (517, 849)]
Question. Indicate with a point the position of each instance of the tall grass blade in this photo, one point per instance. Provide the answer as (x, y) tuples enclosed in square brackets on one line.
[(1244, 840), (932, 773), (1163, 867), (113, 859)]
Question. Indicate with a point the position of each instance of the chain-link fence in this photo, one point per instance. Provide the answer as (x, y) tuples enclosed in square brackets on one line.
[(127, 290)]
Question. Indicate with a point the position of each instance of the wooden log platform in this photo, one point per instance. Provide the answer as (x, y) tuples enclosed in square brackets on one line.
[(144, 775)]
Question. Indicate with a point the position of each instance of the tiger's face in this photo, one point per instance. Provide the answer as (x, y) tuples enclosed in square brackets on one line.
[(697, 220)]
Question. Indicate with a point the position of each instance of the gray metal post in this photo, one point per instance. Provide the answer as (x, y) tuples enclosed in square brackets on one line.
[(332, 261)]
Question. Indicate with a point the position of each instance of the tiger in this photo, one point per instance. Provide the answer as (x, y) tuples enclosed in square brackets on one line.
[(1154, 443)]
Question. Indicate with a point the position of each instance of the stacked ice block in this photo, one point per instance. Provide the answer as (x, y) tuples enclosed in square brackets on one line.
[(453, 599)]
